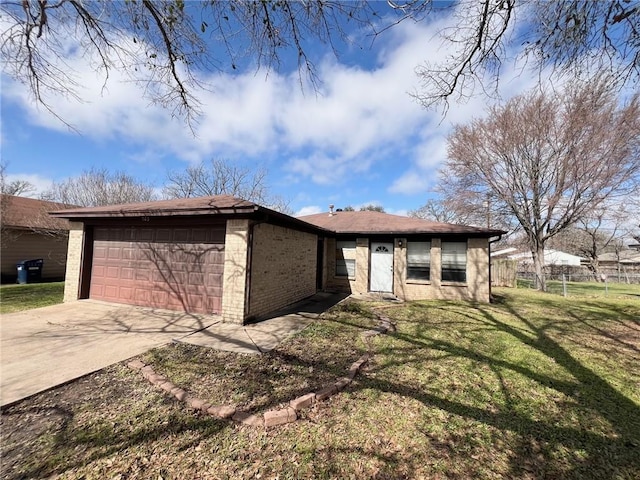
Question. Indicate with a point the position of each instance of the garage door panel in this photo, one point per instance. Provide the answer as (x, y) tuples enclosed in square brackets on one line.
[(99, 271), (176, 268), (142, 274), (126, 273), (126, 293)]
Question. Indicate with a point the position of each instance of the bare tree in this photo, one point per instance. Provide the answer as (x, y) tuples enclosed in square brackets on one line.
[(550, 159), (372, 208), (96, 187), (218, 177), (597, 232), (577, 39), (446, 211), (15, 187), (164, 43)]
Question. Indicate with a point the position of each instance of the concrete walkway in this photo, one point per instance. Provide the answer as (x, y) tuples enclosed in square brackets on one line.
[(265, 335), (48, 346)]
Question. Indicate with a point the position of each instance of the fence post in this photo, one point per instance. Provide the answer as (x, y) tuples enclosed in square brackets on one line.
[(564, 285)]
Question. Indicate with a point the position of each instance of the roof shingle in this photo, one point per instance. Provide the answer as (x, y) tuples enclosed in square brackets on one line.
[(31, 213), (185, 206), (371, 222)]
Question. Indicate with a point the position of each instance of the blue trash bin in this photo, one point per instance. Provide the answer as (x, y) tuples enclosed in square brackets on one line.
[(30, 271)]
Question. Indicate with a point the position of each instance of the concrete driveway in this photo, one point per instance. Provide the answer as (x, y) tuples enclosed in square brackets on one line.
[(48, 346)]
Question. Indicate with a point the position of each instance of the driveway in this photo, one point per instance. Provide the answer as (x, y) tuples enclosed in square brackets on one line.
[(48, 346)]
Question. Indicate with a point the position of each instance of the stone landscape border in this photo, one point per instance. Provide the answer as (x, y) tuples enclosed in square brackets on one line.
[(270, 418)]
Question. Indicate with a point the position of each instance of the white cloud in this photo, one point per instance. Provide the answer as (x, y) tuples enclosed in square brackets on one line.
[(356, 114), (308, 210), (410, 183), (358, 118)]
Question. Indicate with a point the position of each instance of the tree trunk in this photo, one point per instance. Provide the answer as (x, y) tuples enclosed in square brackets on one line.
[(538, 265), (594, 267)]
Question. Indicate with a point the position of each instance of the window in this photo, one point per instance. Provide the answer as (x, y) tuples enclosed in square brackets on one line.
[(454, 261), (345, 268), (345, 258), (418, 260)]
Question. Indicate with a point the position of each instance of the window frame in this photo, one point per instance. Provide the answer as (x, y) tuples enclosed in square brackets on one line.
[(414, 267), (345, 262), (451, 271)]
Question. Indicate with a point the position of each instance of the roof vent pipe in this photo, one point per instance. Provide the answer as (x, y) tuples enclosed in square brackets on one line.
[(331, 210)]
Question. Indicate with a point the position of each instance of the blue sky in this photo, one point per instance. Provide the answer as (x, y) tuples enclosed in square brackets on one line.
[(360, 139)]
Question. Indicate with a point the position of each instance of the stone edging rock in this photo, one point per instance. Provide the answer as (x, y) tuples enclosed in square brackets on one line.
[(270, 418)]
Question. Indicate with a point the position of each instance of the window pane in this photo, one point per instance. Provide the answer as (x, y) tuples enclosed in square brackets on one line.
[(453, 275), (454, 261), (418, 252), (346, 268), (418, 260), (418, 273)]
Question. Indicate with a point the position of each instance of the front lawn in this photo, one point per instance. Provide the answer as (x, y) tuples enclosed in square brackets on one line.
[(533, 386), (14, 298)]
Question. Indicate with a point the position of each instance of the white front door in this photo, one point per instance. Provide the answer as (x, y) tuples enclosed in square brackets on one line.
[(381, 267)]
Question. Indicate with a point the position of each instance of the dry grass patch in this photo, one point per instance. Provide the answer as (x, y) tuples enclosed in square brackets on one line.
[(534, 386)]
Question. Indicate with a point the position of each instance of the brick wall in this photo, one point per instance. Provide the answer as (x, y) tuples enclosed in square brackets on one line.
[(476, 288), (235, 271), (357, 284), (74, 262), (283, 268)]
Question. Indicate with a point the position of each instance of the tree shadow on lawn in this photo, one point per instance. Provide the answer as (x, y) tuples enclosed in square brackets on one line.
[(78, 444), (587, 453)]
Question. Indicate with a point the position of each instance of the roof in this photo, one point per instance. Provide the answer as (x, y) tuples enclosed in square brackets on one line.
[(31, 214), (551, 257), (371, 222), (365, 222), (212, 205), (180, 206), (624, 256)]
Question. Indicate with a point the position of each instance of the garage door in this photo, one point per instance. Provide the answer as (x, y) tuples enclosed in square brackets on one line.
[(172, 268)]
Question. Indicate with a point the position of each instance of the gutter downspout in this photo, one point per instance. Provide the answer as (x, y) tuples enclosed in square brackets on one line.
[(490, 242)]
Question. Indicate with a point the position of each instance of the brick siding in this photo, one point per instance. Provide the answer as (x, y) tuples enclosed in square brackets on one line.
[(235, 271), (357, 284), (476, 288), (74, 262), (283, 268)]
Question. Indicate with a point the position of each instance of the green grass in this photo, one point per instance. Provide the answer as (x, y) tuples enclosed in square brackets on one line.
[(593, 289), (533, 386), (14, 298)]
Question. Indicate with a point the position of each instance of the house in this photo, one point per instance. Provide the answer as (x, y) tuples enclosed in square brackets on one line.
[(29, 232), (229, 256), (410, 257), (625, 260)]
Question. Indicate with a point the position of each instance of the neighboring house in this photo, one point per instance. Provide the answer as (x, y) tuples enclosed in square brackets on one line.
[(29, 232), (229, 256), (624, 258), (551, 257)]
